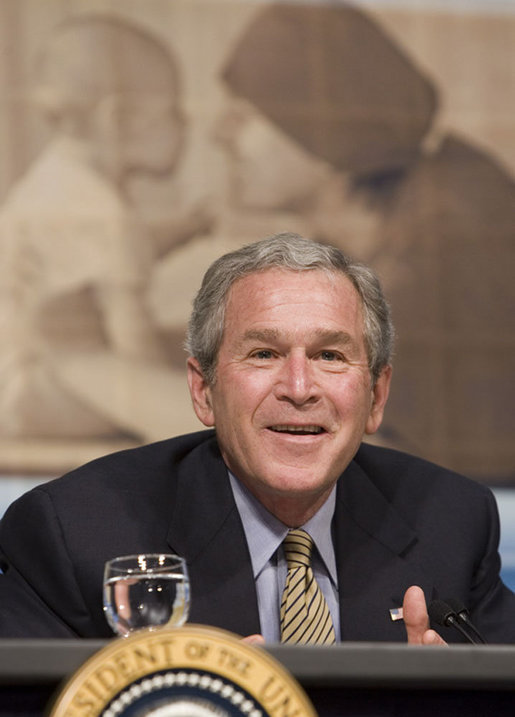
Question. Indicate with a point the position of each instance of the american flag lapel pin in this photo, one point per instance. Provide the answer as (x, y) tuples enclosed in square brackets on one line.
[(396, 613)]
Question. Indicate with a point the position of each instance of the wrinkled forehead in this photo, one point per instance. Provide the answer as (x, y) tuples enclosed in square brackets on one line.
[(257, 288)]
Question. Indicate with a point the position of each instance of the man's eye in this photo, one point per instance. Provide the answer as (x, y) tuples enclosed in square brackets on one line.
[(330, 356), (262, 354)]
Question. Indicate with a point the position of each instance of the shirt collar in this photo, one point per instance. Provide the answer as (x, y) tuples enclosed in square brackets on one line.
[(319, 527), (265, 533)]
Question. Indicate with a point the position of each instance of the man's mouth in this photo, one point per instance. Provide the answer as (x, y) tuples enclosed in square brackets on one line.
[(312, 430)]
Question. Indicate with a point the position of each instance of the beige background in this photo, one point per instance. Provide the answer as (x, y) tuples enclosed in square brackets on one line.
[(470, 58)]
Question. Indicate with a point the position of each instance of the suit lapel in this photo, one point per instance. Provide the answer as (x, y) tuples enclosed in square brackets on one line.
[(206, 530), (373, 544)]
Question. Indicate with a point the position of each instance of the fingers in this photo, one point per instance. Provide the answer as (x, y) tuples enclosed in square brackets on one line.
[(416, 619), (415, 615), (431, 637), (254, 640)]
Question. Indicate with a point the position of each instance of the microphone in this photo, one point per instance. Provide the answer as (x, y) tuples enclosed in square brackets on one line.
[(441, 613), (464, 618)]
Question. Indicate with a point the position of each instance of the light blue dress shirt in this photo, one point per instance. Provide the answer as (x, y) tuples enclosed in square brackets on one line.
[(265, 534)]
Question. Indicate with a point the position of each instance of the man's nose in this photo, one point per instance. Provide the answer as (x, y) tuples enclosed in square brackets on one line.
[(296, 382)]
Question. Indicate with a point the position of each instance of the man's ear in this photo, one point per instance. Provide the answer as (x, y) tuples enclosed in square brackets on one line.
[(379, 397), (200, 393)]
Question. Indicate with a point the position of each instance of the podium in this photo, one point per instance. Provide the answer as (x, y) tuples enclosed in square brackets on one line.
[(347, 680)]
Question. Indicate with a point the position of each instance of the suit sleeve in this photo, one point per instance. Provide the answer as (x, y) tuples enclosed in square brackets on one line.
[(492, 602), (39, 595)]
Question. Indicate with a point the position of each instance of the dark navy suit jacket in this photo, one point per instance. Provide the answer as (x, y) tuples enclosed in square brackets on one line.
[(399, 521)]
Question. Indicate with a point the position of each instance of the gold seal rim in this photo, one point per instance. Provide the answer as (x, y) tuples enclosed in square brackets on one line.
[(125, 661)]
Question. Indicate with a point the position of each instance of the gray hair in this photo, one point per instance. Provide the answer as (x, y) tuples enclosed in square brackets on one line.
[(293, 252)]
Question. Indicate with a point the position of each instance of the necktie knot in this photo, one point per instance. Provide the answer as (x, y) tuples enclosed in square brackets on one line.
[(297, 547)]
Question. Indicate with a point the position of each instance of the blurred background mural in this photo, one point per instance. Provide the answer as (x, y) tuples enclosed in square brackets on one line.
[(140, 139)]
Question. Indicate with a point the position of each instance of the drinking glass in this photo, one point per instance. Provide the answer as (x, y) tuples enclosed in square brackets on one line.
[(146, 591)]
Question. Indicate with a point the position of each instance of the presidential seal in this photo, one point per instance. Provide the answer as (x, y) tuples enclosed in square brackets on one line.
[(192, 671)]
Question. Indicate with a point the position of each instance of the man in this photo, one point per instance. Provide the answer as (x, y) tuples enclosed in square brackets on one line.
[(290, 346)]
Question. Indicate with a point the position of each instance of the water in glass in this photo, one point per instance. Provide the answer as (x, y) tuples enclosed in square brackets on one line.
[(145, 591)]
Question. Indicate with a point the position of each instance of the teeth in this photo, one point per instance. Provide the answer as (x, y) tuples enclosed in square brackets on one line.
[(302, 430)]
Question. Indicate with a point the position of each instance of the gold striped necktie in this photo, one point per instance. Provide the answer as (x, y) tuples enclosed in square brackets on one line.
[(305, 616)]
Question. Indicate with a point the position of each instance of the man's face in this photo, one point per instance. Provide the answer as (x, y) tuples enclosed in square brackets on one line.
[(293, 394), (267, 169)]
